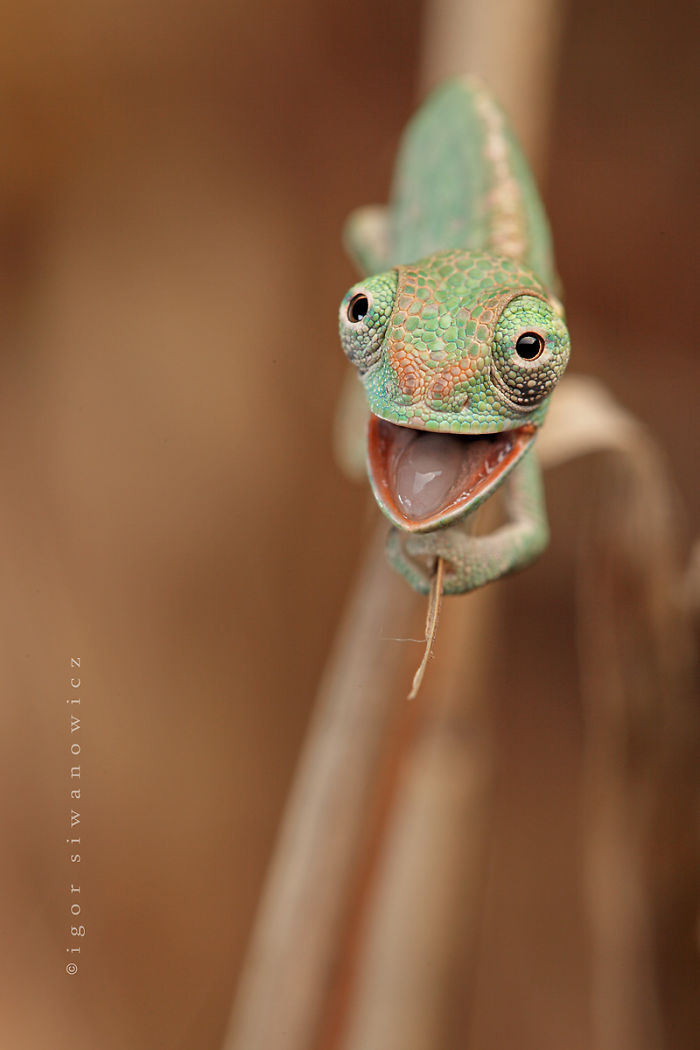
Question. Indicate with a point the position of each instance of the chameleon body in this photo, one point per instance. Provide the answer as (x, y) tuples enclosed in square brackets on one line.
[(459, 340)]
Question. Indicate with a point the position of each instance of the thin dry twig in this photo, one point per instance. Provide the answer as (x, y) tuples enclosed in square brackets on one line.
[(431, 624)]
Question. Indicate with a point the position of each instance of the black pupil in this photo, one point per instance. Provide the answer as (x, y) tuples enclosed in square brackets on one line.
[(529, 346), (358, 307)]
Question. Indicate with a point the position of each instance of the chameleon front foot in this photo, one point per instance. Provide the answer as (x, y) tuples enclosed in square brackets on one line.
[(418, 572), (415, 558), (470, 561)]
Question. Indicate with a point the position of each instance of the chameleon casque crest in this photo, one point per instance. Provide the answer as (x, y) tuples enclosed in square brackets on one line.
[(459, 340)]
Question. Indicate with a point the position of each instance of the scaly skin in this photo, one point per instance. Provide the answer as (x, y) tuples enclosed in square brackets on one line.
[(439, 342)]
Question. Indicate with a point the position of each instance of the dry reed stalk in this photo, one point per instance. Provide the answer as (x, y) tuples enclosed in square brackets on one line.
[(423, 915), (320, 890), (634, 646), (428, 889), (283, 992), (625, 1006), (512, 45), (364, 908)]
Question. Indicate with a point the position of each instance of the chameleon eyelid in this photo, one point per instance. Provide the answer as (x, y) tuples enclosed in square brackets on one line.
[(518, 293)]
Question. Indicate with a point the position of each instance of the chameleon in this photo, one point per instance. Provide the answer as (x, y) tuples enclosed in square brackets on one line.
[(459, 338)]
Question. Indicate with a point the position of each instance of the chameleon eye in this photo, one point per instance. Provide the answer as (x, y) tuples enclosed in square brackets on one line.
[(529, 346), (358, 308), (529, 352), (363, 318)]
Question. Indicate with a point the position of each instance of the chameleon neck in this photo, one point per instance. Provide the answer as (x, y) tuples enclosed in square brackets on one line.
[(463, 182)]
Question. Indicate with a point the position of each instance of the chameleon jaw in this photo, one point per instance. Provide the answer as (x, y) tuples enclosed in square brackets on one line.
[(424, 480)]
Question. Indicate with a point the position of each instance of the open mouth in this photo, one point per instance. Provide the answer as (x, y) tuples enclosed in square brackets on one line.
[(423, 479)]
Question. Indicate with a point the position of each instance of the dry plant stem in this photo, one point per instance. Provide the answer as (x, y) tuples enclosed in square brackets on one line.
[(402, 735), (634, 647), (435, 828), (626, 1013), (431, 625), (285, 983), (422, 922), (512, 45), (424, 913)]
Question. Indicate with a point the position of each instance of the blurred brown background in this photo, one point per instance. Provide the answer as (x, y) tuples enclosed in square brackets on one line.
[(173, 184)]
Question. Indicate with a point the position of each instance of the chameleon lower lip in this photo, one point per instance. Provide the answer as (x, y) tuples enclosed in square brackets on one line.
[(423, 479)]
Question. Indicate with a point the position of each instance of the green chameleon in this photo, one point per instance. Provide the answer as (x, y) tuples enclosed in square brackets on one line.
[(459, 340)]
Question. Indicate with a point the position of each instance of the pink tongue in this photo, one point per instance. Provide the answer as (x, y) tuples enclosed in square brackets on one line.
[(433, 469), (427, 470)]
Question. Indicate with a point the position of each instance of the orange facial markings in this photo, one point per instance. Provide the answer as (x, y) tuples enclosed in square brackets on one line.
[(438, 345), (441, 388), (406, 369), (461, 371), (409, 381)]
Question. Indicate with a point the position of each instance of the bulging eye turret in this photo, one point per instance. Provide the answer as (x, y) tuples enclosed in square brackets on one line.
[(363, 319), (530, 352)]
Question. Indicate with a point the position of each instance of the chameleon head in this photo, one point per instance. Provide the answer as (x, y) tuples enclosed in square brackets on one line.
[(459, 354)]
